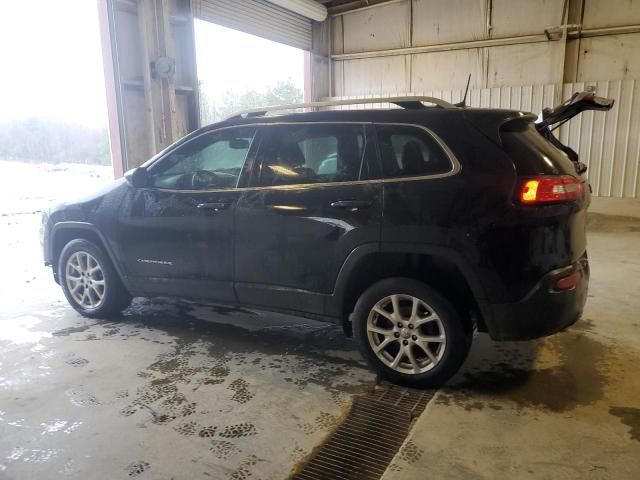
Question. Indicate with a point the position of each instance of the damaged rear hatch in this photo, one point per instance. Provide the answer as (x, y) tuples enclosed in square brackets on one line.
[(554, 118)]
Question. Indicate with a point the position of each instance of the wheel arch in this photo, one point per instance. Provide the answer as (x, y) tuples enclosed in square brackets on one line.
[(438, 267), (65, 232)]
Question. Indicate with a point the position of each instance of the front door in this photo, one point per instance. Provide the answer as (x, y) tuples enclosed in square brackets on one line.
[(311, 208), (178, 233)]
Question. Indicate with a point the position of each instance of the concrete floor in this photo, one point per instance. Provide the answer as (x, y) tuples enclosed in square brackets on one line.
[(176, 389)]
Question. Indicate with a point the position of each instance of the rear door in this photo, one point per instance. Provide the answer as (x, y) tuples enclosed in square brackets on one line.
[(311, 206), (421, 192)]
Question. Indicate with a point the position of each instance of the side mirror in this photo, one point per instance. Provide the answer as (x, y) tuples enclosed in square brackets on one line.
[(138, 177)]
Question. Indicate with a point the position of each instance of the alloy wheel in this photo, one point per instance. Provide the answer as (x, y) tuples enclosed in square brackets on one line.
[(85, 280), (406, 334)]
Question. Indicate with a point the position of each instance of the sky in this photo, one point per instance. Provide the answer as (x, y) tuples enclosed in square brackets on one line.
[(228, 59), (51, 61)]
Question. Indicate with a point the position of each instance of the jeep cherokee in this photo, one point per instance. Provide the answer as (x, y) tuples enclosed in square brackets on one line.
[(411, 227)]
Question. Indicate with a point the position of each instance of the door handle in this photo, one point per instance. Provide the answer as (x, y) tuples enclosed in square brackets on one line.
[(351, 204), (215, 206)]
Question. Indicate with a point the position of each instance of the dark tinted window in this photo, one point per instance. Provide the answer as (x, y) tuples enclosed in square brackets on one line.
[(298, 154), (211, 161), (531, 153), (410, 152)]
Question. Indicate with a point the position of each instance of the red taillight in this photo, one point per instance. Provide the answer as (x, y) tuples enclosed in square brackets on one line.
[(549, 189), (567, 283)]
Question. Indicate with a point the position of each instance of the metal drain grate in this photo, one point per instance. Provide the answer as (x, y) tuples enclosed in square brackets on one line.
[(373, 431)]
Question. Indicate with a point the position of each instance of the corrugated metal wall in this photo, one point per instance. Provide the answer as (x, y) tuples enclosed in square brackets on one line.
[(609, 143), (415, 45), (518, 58), (257, 17)]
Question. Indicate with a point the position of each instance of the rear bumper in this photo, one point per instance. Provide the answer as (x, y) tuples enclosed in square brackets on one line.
[(543, 311)]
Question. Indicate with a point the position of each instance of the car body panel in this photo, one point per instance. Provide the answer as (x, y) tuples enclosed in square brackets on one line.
[(285, 248), (175, 246), (292, 240), (295, 240)]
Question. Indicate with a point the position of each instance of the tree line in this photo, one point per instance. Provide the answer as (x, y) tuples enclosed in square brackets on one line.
[(42, 140), (231, 101)]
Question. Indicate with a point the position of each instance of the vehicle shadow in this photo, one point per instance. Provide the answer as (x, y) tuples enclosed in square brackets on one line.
[(558, 373), (492, 368), (234, 330), (497, 366), (495, 375)]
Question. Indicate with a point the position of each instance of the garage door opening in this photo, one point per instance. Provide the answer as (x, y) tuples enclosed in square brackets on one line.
[(54, 142), (238, 71)]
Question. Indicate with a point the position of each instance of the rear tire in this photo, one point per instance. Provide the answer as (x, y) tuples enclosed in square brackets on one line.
[(89, 280), (409, 333)]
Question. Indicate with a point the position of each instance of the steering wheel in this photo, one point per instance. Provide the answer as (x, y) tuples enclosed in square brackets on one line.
[(201, 179)]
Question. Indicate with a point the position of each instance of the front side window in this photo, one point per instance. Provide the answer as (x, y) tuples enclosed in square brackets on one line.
[(408, 151), (301, 154), (211, 161)]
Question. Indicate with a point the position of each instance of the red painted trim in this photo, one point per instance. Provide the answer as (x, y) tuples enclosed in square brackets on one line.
[(110, 87), (307, 77)]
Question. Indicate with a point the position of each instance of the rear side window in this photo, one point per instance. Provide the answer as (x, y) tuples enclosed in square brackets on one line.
[(300, 154), (408, 151), (533, 154)]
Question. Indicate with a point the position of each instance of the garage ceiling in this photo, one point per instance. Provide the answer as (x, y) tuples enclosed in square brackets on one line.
[(341, 6)]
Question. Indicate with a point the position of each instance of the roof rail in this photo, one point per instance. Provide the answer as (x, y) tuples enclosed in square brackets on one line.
[(409, 103)]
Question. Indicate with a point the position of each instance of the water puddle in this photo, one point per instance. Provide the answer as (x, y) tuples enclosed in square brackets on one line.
[(19, 330), (630, 417)]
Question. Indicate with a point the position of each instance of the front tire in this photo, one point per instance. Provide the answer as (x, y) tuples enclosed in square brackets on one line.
[(89, 280), (409, 333)]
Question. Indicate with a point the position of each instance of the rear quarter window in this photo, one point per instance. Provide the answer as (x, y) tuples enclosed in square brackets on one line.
[(532, 154), (407, 151)]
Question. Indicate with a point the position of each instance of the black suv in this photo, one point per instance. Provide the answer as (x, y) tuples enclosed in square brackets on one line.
[(410, 227)]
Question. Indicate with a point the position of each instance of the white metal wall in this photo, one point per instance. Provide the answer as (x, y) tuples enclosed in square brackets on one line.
[(429, 47), (609, 143), (414, 45)]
